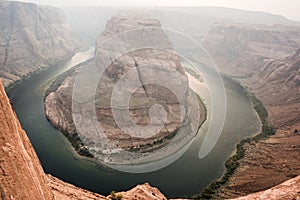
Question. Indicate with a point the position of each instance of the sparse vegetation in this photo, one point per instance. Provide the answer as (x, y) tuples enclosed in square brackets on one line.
[(115, 196), (60, 78), (119, 196), (23, 78), (232, 163), (193, 73), (38, 71), (72, 137), (77, 143)]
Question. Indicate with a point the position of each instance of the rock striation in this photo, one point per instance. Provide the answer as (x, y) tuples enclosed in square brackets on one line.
[(265, 59), (32, 37)]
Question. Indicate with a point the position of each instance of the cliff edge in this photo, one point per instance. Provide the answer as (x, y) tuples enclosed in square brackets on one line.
[(21, 175)]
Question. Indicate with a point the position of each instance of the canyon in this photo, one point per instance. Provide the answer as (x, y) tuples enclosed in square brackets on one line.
[(265, 59)]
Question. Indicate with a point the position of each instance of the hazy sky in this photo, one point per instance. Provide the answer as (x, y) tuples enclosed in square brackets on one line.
[(287, 8)]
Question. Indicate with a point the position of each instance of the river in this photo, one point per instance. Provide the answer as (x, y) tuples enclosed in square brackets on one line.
[(186, 176)]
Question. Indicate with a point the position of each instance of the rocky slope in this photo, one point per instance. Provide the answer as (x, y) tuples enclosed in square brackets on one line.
[(285, 191), (165, 65), (32, 37), (264, 59)]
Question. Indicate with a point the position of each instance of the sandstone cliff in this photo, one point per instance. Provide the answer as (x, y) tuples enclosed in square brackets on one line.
[(264, 59), (21, 175), (32, 37)]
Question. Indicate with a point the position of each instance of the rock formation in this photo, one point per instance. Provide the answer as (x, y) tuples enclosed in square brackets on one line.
[(32, 37), (137, 64), (264, 59), (21, 175), (141, 192), (140, 62)]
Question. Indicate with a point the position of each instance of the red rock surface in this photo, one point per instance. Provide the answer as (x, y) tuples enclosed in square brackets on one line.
[(21, 175)]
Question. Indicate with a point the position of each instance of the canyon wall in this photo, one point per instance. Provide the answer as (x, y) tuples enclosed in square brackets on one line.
[(193, 21), (21, 174), (32, 37), (264, 59)]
